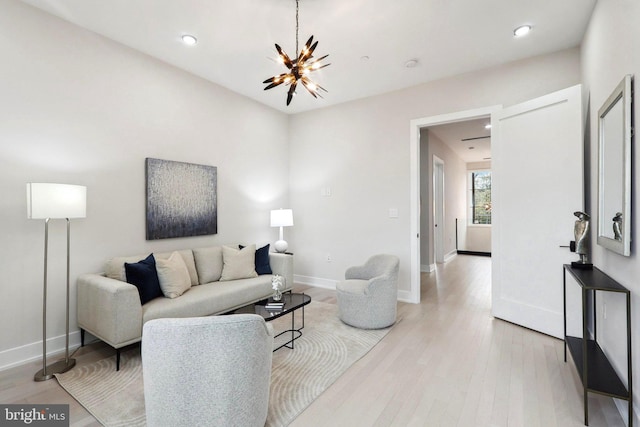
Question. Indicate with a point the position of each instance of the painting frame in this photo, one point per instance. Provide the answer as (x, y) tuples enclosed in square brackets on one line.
[(181, 199)]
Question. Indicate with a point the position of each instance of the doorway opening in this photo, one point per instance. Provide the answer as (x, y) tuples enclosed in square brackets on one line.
[(416, 226)]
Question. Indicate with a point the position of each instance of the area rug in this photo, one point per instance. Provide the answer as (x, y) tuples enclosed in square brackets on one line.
[(325, 351)]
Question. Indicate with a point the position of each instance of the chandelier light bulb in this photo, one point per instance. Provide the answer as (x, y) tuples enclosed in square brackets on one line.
[(298, 67)]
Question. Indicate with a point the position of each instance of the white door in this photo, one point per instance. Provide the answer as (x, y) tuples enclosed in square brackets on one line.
[(537, 150), (438, 207)]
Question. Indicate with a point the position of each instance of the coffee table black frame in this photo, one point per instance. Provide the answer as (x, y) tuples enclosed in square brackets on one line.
[(292, 302)]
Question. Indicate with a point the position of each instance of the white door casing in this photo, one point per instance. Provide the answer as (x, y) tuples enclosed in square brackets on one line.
[(537, 171)]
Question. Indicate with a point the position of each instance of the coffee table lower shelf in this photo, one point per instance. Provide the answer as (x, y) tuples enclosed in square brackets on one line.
[(292, 302)]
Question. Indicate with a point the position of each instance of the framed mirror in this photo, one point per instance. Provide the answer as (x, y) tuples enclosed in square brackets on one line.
[(614, 170)]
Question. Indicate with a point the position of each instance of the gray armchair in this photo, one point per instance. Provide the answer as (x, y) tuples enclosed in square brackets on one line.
[(207, 371), (367, 298)]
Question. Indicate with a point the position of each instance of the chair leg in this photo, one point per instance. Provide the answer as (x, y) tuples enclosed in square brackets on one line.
[(81, 337), (117, 359)]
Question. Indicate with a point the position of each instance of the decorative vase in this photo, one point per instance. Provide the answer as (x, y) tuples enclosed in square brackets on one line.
[(277, 283)]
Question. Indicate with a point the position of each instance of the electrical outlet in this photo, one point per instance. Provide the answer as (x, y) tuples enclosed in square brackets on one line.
[(329, 259)]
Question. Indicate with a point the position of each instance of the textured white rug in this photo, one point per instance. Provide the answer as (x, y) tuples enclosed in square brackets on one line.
[(325, 351)]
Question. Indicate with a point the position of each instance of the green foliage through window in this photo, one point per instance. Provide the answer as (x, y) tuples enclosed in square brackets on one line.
[(481, 197)]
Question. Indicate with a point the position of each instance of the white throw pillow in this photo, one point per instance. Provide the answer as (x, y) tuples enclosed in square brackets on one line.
[(173, 275), (238, 264)]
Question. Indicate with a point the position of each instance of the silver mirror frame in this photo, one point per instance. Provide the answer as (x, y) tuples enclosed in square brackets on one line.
[(622, 245)]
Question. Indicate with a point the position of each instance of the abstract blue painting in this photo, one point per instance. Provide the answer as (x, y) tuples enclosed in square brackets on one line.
[(181, 199)]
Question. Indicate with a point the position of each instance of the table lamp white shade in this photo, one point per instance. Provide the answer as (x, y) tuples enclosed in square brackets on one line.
[(46, 200), (281, 218)]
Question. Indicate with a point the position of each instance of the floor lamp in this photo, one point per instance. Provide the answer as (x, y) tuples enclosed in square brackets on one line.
[(55, 201)]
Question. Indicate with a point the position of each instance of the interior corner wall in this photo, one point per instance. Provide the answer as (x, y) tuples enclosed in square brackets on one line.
[(360, 150), (78, 108), (609, 52), (454, 191)]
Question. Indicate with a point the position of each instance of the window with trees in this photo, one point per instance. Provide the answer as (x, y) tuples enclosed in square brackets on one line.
[(480, 186)]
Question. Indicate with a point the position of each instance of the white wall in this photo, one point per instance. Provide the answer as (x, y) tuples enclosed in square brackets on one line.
[(455, 186), (609, 51), (78, 108), (361, 150)]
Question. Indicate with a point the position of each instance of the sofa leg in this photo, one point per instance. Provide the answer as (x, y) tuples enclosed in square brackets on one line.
[(117, 359)]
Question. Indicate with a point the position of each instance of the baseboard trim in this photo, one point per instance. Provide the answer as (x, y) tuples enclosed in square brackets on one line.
[(474, 253), (317, 282), (31, 352), (448, 257), (427, 268)]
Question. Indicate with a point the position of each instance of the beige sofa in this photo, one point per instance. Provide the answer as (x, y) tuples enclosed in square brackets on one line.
[(110, 308)]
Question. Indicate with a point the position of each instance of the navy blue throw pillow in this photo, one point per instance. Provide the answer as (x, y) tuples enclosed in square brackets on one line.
[(262, 260), (144, 276)]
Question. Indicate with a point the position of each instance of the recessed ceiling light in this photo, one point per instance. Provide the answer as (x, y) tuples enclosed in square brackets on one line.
[(412, 63), (487, 126), (522, 30), (189, 40)]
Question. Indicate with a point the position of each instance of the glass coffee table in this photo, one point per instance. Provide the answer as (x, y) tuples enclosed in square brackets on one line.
[(292, 302)]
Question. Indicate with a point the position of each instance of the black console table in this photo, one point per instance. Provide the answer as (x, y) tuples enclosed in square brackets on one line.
[(595, 370)]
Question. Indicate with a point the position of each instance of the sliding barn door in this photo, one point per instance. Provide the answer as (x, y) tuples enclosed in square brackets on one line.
[(537, 162)]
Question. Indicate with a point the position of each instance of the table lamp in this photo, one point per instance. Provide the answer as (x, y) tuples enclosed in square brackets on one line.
[(281, 218)]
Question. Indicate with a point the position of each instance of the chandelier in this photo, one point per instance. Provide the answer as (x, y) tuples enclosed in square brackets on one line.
[(299, 68)]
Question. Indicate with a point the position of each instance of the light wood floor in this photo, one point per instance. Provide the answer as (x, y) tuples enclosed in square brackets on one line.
[(446, 362)]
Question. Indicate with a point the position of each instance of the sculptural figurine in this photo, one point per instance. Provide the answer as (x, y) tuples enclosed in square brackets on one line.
[(581, 233), (617, 226)]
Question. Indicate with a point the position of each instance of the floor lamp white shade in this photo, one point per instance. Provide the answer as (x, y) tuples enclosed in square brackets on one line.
[(55, 201), (281, 218), (45, 200)]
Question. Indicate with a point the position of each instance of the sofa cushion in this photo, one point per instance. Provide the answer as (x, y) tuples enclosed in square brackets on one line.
[(262, 260), (173, 275), (208, 263), (143, 275), (238, 263), (114, 268), (209, 299)]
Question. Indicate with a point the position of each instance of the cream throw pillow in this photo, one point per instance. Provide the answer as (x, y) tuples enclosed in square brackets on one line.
[(173, 275), (238, 264)]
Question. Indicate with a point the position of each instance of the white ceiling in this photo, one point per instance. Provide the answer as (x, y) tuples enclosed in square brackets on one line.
[(455, 134), (236, 38)]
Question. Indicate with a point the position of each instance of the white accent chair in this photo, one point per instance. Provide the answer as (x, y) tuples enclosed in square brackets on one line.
[(368, 296), (207, 371)]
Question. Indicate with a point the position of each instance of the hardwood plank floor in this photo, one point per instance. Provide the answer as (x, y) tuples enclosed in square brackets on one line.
[(446, 362)]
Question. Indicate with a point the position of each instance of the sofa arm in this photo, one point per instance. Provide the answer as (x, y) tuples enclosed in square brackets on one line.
[(282, 264), (109, 309)]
